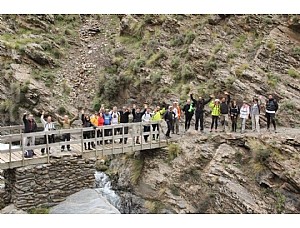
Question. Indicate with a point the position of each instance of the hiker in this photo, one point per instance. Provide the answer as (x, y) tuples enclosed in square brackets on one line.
[(86, 122), (107, 121), (94, 122), (224, 108), (48, 126), (169, 118), (147, 118), (199, 106), (271, 109), (215, 113), (244, 114), (100, 124), (254, 113), (176, 110), (188, 111), (29, 127), (124, 118), (234, 113), (115, 119), (137, 118), (157, 116), (65, 123)]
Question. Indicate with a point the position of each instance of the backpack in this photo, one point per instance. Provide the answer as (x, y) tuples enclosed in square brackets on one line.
[(28, 153)]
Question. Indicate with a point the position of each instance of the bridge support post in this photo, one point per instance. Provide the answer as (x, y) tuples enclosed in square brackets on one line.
[(123, 139), (23, 149), (47, 147), (96, 150), (81, 141)]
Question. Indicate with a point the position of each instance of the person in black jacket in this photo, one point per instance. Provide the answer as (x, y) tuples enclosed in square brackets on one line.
[(188, 110), (224, 108), (86, 122), (234, 113), (29, 126), (271, 109), (199, 106), (137, 118), (169, 118), (124, 118)]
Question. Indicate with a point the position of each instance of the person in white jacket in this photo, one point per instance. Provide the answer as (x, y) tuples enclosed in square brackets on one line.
[(147, 118), (244, 114)]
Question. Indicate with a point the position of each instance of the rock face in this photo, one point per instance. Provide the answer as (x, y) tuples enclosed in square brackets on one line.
[(47, 185), (219, 173), (87, 201)]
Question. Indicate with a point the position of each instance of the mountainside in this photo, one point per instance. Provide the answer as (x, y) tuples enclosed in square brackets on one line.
[(66, 62), (218, 173)]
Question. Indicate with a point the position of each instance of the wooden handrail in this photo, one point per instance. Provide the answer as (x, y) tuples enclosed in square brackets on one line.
[(77, 138)]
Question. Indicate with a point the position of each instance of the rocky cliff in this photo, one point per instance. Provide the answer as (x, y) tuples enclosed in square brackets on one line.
[(219, 173), (66, 62)]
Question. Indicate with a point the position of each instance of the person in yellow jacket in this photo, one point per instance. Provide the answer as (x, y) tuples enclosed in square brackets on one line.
[(215, 113), (157, 116)]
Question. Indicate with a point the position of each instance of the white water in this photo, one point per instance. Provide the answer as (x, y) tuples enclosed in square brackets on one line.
[(103, 186), (6, 146)]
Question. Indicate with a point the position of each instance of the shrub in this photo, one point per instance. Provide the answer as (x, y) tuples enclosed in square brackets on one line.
[(271, 45), (177, 40), (296, 51), (175, 63), (187, 72), (280, 202), (189, 37), (155, 77), (154, 207), (217, 48), (231, 55), (154, 59), (137, 65), (39, 210), (239, 42), (210, 65), (293, 73), (137, 168), (273, 79), (61, 110), (240, 69), (173, 151)]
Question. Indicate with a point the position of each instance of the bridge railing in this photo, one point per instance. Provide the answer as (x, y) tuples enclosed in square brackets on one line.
[(87, 135)]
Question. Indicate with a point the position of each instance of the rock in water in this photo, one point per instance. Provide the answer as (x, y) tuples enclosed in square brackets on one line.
[(87, 201)]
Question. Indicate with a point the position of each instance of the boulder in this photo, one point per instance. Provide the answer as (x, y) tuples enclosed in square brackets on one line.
[(87, 201), (35, 52)]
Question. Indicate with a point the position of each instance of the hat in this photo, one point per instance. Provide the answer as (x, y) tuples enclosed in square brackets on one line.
[(216, 100)]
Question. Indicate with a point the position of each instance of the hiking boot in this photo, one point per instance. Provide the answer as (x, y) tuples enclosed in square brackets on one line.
[(62, 150), (69, 149)]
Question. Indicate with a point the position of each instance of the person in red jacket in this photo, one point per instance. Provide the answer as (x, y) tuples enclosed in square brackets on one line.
[(100, 123)]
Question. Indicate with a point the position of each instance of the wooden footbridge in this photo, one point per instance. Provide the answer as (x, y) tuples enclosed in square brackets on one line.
[(108, 140)]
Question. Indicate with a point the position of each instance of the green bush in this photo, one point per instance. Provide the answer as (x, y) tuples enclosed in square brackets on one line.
[(217, 48), (61, 110), (262, 154), (240, 69), (189, 37), (293, 73), (154, 59), (296, 51), (137, 65), (175, 62), (187, 72), (272, 80), (271, 45), (137, 169), (239, 42), (39, 210), (155, 77), (210, 65), (173, 151), (177, 40)]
